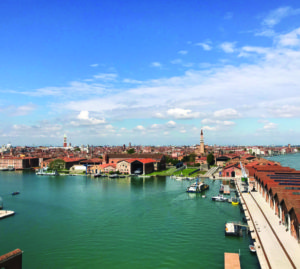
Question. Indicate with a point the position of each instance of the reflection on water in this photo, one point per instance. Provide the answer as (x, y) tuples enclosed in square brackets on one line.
[(148, 182)]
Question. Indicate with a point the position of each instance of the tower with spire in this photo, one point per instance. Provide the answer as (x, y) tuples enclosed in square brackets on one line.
[(201, 143), (65, 141)]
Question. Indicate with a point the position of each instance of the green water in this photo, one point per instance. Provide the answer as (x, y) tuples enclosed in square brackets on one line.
[(83, 222)]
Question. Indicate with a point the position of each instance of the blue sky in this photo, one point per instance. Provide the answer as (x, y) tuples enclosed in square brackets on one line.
[(149, 72)]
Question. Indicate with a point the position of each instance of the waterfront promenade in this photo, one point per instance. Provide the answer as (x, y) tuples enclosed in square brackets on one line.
[(276, 248)]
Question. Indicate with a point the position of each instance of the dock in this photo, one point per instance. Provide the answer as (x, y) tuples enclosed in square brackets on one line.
[(232, 261), (275, 248), (226, 189), (6, 213)]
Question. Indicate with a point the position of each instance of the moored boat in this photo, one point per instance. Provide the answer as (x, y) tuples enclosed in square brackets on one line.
[(41, 172), (15, 193), (3, 169), (221, 188), (252, 248), (219, 198), (197, 187), (234, 201), (233, 229), (113, 176)]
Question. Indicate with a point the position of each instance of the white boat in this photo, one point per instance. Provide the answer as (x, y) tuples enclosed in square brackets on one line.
[(113, 176), (197, 187), (252, 248), (3, 169), (219, 198), (11, 168), (43, 173)]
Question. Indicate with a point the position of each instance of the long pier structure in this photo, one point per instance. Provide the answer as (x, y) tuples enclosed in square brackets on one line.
[(275, 247)]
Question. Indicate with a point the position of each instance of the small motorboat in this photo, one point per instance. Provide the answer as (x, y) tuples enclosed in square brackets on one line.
[(252, 248), (234, 201), (113, 176), (219, 198), (221, 188), (15, 193), (197, 187)]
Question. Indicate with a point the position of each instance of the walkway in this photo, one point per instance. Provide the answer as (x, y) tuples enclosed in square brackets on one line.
[(211, 171), (275, 247)]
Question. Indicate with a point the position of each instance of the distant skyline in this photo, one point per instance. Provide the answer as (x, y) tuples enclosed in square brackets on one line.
[(149, 72)]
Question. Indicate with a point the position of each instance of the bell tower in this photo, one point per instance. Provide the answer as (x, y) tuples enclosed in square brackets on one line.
[(201, 143), (65, 141)]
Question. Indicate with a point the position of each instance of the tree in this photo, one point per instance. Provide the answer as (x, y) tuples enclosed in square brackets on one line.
[(192, 158), (210, 159), (131, 151), (57, 164)]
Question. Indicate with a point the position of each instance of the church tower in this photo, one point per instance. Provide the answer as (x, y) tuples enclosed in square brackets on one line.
[(65, 141), (201, 143)]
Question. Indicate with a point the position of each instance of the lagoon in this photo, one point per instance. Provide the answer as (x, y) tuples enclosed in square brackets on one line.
[(86, 222)]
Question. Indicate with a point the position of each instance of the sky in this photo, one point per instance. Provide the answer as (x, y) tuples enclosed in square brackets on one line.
[(149, 72)]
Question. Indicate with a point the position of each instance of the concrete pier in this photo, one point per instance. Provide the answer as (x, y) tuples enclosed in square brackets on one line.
[(275, 247), (6, 213)]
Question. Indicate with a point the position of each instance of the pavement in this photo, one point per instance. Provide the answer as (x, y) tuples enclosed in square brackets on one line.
[(275, 247)]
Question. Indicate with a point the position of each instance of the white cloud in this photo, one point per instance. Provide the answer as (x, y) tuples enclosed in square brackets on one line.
[(228, 123), (41, 130), (228, 113), (267, 86), (109, 127), (208, 128), (171, 124), (205, 46), (132, 81), (179, 113), (259, 50), (275, 16), (290, 39), (159, 115), (217, 122), (266, 32), (140, 128), (94, 65), (18, 111), (270, 126), (155, 126), (83, 115), (106, 76), (183, 131), (285, 111), (228, 47), (156, 64), (73, 90), (85, 119)]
